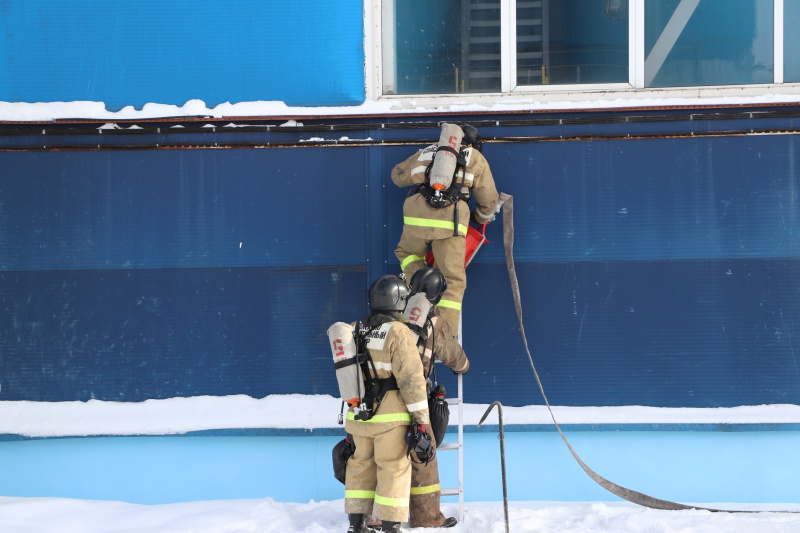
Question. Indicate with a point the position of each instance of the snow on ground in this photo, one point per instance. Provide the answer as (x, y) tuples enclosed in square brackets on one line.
[(54, 515), (177, 415), (181, 415)]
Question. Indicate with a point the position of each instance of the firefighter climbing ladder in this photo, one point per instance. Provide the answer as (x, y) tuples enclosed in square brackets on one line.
[(458, 445), (475, 239)]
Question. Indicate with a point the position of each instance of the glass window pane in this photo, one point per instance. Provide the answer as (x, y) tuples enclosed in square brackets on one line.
[(708, 42), (441, 47), (572, 41), (791, 40)]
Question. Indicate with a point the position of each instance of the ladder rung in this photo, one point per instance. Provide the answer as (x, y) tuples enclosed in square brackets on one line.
[(453, 401), (448, 446), (451, 492)]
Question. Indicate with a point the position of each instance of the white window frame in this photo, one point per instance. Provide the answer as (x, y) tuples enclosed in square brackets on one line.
[(577, 94), (509, 67)]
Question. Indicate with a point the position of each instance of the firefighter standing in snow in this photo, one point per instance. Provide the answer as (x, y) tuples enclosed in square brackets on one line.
[(427, 286), (441, 218), (378, 477), (439, 341)]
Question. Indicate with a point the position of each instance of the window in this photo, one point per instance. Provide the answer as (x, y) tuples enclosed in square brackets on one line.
[(791, 42), (506, 46), (708, 42), (572, 42)]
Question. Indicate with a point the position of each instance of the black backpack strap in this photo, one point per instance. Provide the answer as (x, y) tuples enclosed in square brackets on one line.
[(376, 388), (453, 194), (461, 161)]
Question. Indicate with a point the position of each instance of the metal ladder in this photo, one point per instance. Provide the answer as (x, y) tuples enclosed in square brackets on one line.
[(458, 402)]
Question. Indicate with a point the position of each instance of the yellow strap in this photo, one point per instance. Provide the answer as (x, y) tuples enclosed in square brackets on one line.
[(431, 223), (410, 259), (425, 490), (360, 494), (391, 502), (450, 304), (377, 419)]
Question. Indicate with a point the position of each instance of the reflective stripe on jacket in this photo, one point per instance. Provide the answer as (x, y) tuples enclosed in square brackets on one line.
[(431, 223)]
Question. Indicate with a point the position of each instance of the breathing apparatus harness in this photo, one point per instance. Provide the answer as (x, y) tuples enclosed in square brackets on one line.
[(375, 388), (450, 196), (423, 343), (418, 441)]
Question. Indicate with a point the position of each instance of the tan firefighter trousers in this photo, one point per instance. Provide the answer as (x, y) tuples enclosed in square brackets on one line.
[(378, 477), (448, 257)]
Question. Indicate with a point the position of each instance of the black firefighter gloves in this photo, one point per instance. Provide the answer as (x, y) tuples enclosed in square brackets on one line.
[(418, 443)]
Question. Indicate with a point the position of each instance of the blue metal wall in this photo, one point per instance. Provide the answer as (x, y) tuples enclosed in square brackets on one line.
[(133, 52), (658, 272), (654, 271), (133, 275)]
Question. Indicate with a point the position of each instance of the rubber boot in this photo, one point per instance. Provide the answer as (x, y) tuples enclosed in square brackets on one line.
[(449, 522), (356, 523), (389, 527)]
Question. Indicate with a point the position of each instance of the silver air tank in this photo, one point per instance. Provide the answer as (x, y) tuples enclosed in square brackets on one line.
[(444, 164)]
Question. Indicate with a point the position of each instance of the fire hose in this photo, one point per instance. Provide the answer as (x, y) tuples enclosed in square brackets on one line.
[(626, 494)]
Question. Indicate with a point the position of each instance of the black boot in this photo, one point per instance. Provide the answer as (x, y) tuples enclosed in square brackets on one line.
[(389, 527), (449, 522), (356, 523)]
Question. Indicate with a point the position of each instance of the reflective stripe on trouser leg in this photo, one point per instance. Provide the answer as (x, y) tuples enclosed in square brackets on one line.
[(411, 253), (426, 494), (394, 476), (360, 477), (449, 254)]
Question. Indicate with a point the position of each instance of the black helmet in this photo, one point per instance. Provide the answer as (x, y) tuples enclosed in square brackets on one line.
[(430, 281), (472, 137), (388, 293)]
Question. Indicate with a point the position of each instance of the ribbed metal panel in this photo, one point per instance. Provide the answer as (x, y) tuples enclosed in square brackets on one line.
[(657, 271)]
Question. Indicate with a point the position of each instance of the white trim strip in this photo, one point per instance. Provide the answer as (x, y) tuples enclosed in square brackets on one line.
[(778, 57), (380, 365), (418, 406)]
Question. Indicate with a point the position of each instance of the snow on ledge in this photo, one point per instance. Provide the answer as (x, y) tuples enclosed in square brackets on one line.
[(199, 413), (90, 110)]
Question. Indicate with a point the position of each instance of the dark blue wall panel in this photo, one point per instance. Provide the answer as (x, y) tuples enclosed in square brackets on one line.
[(657, 272), (182, 208), (652, 199), (147, 274), (129, 335), (699, 333), (133, 52)]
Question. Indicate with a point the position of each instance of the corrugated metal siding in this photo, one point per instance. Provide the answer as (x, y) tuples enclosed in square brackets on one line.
[(653, 271)]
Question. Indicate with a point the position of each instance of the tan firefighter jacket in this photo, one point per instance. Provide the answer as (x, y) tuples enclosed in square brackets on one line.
[(394, 353), (431, 223)]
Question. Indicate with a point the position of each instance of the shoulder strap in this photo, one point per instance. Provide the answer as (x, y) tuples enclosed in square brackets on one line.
[(375, 387), (452, 194)]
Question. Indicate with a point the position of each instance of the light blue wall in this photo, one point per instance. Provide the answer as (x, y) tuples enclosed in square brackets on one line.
[(132, 52), (686, 466)]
